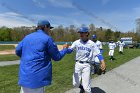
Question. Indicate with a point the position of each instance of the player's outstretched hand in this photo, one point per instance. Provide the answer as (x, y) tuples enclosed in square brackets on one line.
[(103, 65)]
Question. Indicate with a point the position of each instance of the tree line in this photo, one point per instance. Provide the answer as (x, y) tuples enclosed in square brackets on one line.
[(65, 34)]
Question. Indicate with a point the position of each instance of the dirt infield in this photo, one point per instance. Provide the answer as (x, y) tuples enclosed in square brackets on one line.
[(5, 52), (9, 44)]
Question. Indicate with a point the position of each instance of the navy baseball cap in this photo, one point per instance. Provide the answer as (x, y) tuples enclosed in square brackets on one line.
[(83, 30), (94, 36), (43, 23)]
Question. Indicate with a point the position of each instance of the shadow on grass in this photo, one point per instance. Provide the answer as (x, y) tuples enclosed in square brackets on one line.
[(97, 90)]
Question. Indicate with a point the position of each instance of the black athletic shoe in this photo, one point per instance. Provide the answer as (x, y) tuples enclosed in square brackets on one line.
[(81, 89)]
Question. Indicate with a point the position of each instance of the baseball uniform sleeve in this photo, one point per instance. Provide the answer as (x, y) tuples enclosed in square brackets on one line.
[(18, 49), (97, 52), (54, 52), (72, 48), (101, 47)]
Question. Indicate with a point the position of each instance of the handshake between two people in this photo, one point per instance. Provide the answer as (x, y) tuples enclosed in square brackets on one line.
[(65, 46)]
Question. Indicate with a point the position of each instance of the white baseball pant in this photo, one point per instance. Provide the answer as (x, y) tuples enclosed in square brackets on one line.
[(82, 72), (111, 52), (121, 48), (29, 90)]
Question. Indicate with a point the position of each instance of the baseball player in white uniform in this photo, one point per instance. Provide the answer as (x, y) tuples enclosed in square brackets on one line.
[(84, 54), (111, 46), (121, 45), (96, 63)]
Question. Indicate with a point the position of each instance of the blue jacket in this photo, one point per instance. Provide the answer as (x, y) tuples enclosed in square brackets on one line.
[(36, 51)]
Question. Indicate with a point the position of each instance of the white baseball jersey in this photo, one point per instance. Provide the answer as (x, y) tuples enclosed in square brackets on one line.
[(99, 44), (84, 51), (111, 46), (121, 45)]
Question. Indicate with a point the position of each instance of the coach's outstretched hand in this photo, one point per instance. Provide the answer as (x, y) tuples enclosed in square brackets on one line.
[(65, 46)]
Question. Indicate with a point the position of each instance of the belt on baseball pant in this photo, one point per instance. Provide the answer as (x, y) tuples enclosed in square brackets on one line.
[(82, 62)]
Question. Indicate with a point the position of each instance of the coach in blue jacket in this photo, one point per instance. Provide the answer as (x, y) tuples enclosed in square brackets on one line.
[(36, 51)]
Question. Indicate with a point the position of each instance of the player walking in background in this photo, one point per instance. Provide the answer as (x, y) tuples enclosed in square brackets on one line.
[(111, 46), (121, 45), (98, 43), (84, 54), (96, 64)]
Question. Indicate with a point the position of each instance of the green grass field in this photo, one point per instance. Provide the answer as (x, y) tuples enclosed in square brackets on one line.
[(62, 72), (10, 57), (6, 47)]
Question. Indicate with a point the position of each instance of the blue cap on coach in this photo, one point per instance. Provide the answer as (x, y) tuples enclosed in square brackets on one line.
[(43, 23), (94, 36), (83, 30)]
